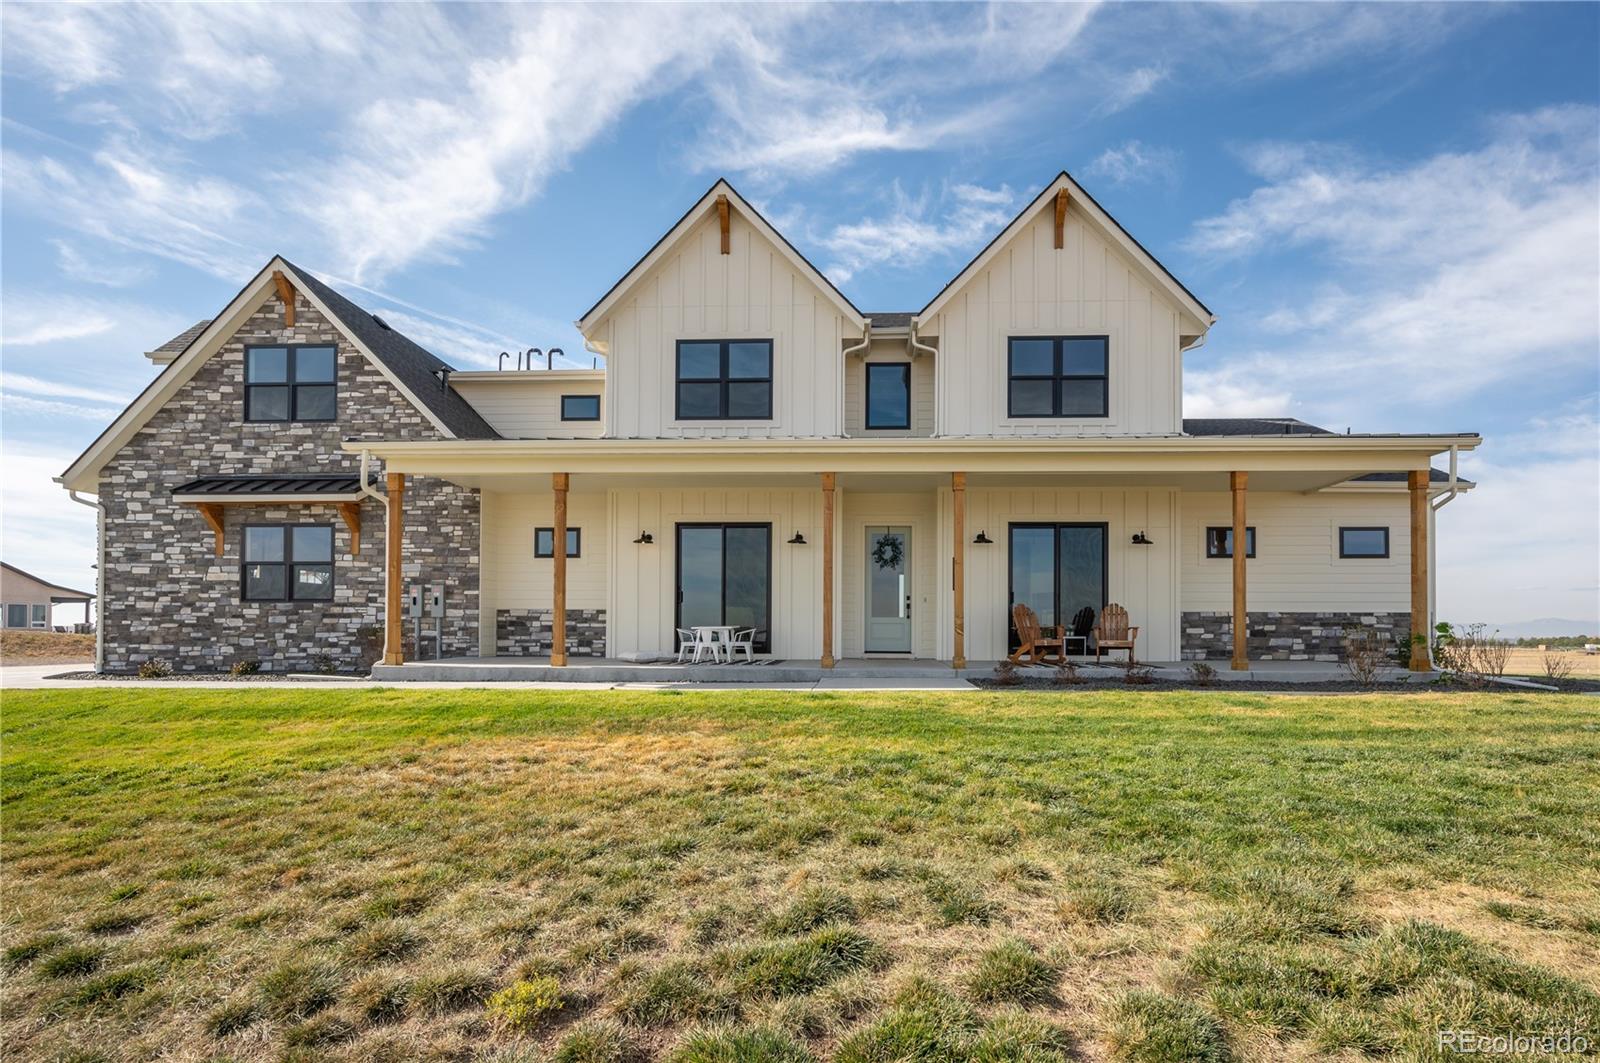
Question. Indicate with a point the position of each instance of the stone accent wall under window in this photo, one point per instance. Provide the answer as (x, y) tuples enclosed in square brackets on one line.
[(526, 632), (1286, 636), (167, 593)]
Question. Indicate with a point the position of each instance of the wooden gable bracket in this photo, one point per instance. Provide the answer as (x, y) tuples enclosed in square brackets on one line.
[(722, 216), (351, 512), (213, 515), (286, 293), (1061, 218)]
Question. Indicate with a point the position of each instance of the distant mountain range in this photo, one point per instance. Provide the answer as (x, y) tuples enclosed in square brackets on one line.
[(1550, 626)]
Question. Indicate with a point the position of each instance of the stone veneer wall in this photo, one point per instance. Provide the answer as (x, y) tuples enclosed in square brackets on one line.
[(168, 595), (1286, 636), (527, 632)]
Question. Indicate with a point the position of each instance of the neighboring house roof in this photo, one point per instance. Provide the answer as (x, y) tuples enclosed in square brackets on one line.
[(415, 365), (45, 582), (1101, 217), (690, 219), (407, 365), (1251, 426), (291, 486), (177, 344)]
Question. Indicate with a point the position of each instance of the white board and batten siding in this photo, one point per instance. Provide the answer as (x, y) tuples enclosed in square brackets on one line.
[(698, 293), (512, 578), (1297, 565), (1143, 579), (1087, 288)]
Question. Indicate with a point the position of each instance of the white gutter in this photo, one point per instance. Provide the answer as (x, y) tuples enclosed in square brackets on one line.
[(383, 500), (1454, 489), (866, 341), (917, 346), (99, 578)]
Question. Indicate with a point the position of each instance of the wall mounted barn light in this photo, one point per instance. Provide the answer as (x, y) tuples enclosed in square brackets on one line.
[(982, 539), (645, 539), (798, 540), (1140, 539)]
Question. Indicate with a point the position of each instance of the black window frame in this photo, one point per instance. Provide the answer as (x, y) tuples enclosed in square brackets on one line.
[(866, 413), (1056, 377), (1249, 541), (573, 535), (1012, 639), (722, 378), (1343, 555), (762, 640), (290, 383), (289, 564), (566, 417)]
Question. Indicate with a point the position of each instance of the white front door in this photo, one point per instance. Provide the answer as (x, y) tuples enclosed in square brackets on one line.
[(888, 590)]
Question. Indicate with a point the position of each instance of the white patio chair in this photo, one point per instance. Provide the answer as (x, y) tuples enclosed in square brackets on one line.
[(745, 640), (688, 644)]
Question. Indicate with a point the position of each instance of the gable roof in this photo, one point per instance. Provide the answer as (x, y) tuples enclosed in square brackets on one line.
[(44, 582), (177, 344), (413, 363), (1104, 221), (680, 229), (405, 364)]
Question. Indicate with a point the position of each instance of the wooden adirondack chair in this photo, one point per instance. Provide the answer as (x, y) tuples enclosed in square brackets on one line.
[(1111, 632), (1034, 643)]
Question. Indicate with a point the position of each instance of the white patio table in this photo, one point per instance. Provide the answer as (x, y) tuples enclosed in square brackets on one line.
[(718, 636)]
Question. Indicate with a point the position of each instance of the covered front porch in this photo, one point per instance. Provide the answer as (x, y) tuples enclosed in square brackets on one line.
[(603, 564)]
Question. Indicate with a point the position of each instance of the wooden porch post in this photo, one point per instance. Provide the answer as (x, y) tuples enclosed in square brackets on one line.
[(1417, 481), (393, 619), (827, 569), (558, 608), (1237, 482), (958, 488)]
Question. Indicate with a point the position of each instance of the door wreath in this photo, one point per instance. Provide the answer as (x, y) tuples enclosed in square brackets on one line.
[(888, 551)]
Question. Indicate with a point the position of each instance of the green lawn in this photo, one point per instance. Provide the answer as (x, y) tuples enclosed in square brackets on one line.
[(865, 878)]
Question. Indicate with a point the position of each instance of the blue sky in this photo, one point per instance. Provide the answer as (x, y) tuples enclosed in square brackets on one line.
[(1394, 210)]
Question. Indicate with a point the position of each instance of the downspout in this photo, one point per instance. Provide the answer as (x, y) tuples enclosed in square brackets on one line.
[(605, 397), (99, 578), (1454, 489), (1433, 546), (383, 500), (850, 352), (1199, 342)]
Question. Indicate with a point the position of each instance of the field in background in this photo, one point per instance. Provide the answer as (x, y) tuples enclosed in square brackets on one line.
[(1530, 662), (768, 876), (18, 646)]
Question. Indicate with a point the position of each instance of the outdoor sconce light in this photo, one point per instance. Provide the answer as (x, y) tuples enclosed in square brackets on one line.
[(1140, 539), (798, 540), (645, 539), (982, 539)]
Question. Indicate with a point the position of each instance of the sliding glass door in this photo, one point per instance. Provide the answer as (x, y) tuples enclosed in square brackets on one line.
[(725, 578), (1057, 569)]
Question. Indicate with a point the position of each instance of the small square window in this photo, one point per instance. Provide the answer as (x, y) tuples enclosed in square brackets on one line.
[(544, 542), (287, 563), (290, 383), (1363, 542), (16, 616), (724, 380), (41, 615), (1219, 542), (580, 407), (1058, 376)]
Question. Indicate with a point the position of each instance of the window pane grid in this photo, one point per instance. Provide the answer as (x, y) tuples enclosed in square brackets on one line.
[(1076, 384), (297, 383), (287, 562), (544, 542), (724, 380)]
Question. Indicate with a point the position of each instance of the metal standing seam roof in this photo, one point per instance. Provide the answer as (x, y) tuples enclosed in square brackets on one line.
[(273, 485)]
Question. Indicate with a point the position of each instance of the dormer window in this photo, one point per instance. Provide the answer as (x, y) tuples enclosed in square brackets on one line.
[(294, 383), (724, 380), (1058, 376)]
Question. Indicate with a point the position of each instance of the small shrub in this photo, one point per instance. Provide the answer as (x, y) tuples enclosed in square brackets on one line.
[(740, 1045), (155, 668), (244, 666), (1557, 665), (322, 663), (294, 991), (525, 1006), (598, 1041), (1066, 674), (1135, 674), (73, 962), (448, 989), (816, 907), (1012, 972), (231, 1017), (1005, 674), (1202, 674), (1364, 656), (1150, 1027)]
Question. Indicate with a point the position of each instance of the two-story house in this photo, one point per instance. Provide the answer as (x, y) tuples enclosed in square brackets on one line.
[(756, 452)]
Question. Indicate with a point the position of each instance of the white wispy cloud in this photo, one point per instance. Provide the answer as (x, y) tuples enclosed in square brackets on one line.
[(960, 219), (1135, 162), (31, 385), (42, 319), (98, 269), (1433, 271)]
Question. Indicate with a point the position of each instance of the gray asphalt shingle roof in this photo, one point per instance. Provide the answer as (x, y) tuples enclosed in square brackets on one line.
[(1251, 426), (180, 343)]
